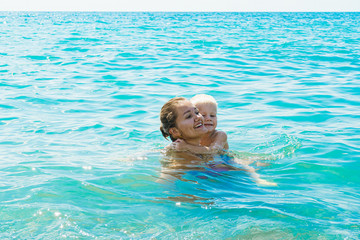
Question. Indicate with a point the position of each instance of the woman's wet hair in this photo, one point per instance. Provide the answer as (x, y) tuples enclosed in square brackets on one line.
[(168, 115)]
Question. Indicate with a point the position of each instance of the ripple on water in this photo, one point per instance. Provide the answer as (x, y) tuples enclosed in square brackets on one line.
[(80, 141)]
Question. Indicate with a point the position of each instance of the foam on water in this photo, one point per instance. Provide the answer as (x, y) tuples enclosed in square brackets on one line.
[(79, 125)]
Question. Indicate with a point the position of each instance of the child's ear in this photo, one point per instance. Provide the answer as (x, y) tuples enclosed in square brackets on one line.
[(174, 132)]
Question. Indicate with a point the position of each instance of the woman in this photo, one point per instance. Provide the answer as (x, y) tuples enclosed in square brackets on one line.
[(180, 119)]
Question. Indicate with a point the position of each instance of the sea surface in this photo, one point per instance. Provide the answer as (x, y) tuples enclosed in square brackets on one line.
[(80, 146)]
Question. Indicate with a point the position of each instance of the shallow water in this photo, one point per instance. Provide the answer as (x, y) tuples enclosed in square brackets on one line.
[(80, 146)]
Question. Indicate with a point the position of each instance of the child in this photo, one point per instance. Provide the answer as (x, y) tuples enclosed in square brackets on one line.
[(213, 141)]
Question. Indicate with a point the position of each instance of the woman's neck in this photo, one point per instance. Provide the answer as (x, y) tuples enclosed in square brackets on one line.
[(195, 142)]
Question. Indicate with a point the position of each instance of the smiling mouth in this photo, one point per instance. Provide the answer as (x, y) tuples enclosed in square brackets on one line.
[(199, 125)]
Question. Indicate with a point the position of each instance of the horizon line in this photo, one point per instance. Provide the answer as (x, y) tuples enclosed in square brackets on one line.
[(190, 11)]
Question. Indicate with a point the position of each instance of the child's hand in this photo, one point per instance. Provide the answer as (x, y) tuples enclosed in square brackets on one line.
[(179, 145)]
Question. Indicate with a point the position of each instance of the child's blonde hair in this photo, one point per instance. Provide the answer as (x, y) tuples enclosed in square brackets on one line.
[(203, 98)]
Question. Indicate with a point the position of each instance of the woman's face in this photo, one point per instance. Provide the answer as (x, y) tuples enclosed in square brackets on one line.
[(189, 122)]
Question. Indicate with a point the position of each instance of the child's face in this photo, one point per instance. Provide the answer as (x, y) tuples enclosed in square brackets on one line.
[(209, 111)]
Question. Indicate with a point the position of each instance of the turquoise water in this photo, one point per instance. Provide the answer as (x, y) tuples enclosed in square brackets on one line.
[(79, 124)]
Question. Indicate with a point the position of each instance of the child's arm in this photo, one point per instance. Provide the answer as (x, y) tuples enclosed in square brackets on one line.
[(181, 145), (220, 141), (219, 144)]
